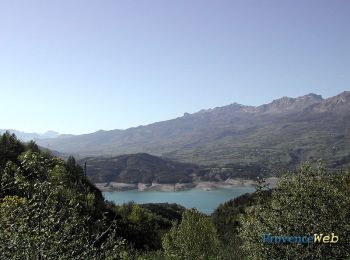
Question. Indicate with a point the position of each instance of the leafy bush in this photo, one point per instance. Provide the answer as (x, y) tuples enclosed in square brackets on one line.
[(310, 202), (194, 238)]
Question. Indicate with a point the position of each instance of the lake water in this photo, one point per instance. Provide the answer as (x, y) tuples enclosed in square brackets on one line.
[(204, 201)]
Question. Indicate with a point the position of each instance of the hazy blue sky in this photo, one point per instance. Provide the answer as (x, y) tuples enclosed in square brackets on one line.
[(78, 66)]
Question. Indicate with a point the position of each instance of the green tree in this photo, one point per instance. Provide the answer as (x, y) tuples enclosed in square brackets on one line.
[(226, 219), (139, 226), (306, 203), (10, 148), (44, 215), (194, 238)]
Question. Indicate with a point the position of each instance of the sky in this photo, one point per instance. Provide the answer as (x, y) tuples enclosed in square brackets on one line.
[(81, 66)]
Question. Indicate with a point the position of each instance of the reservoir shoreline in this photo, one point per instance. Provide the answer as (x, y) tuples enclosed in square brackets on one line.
[(170, 187)]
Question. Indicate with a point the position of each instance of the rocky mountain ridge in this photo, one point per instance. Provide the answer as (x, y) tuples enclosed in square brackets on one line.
[(283, 132)]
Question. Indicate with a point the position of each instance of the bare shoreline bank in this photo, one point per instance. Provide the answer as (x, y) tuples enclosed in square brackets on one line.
[(203, 185)]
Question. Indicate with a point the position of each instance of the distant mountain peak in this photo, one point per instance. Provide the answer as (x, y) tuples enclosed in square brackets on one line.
[(49, 134), (311, 96), (283, 100), (31, 136), (343, 97), (338, 103), (286, 104), (315, 96), (283, 104)]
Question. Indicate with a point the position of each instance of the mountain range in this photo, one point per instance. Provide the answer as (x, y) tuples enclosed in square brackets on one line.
[(284, 132), (31, 136)]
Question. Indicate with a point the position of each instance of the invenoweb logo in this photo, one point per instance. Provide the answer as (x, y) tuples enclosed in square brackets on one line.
[(315, 238)]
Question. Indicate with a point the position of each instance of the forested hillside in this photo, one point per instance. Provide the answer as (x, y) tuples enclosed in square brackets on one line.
[(50, 210), (139, 168)]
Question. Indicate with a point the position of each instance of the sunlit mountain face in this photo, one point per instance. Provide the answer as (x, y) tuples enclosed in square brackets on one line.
[(281, 133)]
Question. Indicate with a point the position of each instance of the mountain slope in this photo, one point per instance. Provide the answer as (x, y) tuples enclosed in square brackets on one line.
[(31, 136), (139, 168), (282, 133)]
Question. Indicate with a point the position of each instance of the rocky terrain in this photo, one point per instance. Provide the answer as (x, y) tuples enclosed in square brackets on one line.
[(281, 133)]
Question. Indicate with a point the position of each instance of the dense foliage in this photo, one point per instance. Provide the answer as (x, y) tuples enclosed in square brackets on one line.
[(226, 219), (194, 238), (49, 210), (310, 202)]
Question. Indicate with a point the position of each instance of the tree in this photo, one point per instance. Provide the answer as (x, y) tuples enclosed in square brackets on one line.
[(194, 238), (44, 215), (10, 148), (139, 226), (307, 203), (226, 219)]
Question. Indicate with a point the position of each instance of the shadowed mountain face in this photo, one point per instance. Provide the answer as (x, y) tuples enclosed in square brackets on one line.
[(139, 168), (282, 133), (147, 169)]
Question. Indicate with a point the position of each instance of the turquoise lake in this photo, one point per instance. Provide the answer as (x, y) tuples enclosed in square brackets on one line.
[(204, 201)]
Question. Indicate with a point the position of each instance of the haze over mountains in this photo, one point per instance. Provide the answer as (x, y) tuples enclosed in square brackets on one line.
[(31, 136), (281, 133)]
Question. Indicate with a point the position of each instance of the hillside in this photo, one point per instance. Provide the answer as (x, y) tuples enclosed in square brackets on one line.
[(147, 169), (281, 133), (46, 202), (139, 168)]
